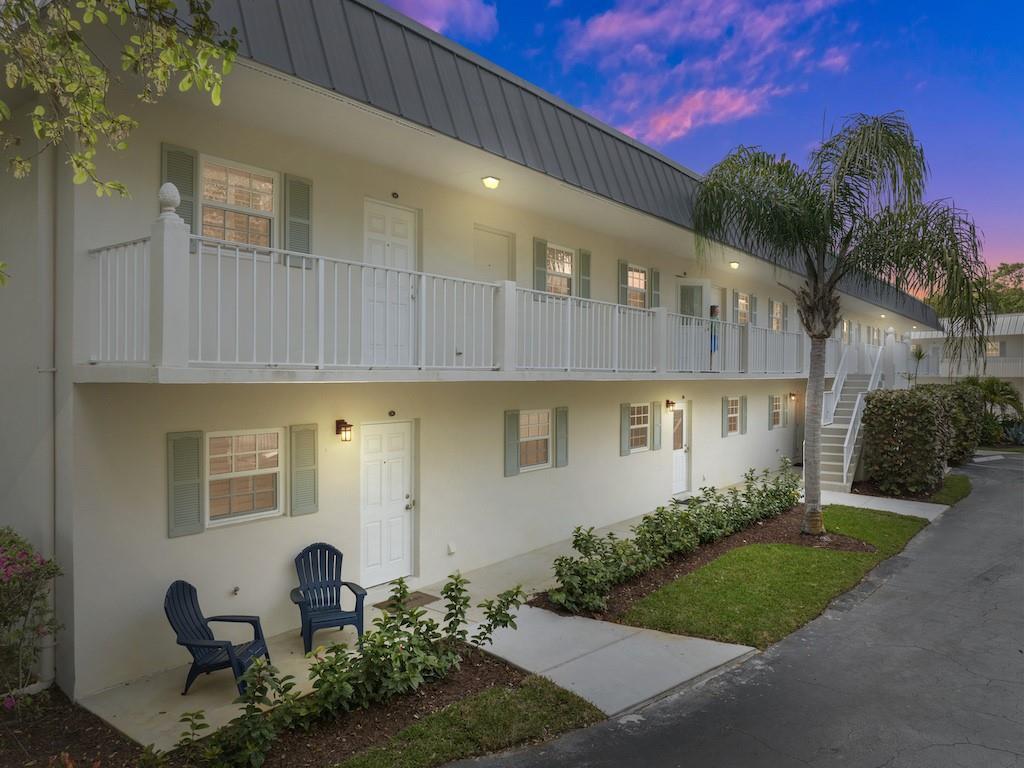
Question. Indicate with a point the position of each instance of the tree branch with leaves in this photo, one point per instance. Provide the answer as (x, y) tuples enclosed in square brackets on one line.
[(49, 52)]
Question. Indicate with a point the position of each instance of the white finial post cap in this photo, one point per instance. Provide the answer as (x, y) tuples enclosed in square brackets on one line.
[(169, 198)]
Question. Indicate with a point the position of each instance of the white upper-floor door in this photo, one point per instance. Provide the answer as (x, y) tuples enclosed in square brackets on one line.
[(389, 295), (493, 254), (387, 503)]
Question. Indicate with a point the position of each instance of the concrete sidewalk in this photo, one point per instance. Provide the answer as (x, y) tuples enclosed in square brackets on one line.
[(614, 667), (884, 504)]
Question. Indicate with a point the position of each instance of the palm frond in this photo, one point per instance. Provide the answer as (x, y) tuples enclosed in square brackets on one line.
[(764, 204)]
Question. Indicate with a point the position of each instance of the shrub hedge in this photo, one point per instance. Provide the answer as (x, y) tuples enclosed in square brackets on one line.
[(907, 438), (601, 562), (964, 406)]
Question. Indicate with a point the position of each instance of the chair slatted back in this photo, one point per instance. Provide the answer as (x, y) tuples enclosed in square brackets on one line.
[(181, 604), (319, 570)]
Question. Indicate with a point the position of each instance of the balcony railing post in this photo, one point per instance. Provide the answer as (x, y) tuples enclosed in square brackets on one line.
[(169, 320), (660, 340), (505, 326)]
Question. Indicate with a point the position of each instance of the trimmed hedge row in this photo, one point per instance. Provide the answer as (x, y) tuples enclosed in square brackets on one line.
[(910, 435), (601, 562)]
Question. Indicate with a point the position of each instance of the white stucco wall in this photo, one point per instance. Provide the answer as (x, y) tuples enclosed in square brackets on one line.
[(125, 561)]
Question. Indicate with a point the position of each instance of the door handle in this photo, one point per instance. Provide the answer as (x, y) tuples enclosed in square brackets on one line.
[(411, 504)]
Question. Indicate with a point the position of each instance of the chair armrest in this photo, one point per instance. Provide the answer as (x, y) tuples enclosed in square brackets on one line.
[(197, 643), (355, 588), (298, 596), (257, 630)]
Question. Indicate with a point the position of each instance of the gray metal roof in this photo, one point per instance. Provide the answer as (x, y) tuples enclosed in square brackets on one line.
[(1002, 325), (370, 53)]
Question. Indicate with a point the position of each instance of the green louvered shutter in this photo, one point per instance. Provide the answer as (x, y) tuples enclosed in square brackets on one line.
[(770, 425), (623, 282), (540, 268), (298, 214), (583, 276), (771, 312), (725, 417), (561, 436), (185, 495), (624, 429), (655, 419), (303, 475), (180, 166), (735, 307), (654, 294), (753, 310), (743, 415), (785, 319), (511, 443)]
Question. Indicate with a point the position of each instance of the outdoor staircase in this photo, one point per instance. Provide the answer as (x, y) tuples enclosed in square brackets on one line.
[(833, 436)]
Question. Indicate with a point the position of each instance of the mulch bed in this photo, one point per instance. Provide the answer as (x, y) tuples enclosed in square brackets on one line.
[(784, 529), (330, 743), (59, 726), (54, 725)]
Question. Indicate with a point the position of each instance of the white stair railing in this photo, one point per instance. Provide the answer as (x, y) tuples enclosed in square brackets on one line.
[(858, 412), (831, 397)]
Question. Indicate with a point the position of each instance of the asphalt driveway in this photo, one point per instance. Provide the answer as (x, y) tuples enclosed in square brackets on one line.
[(921, 665)]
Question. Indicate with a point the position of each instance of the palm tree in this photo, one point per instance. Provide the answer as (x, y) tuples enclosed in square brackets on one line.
[(1000, 395), (854, 215)]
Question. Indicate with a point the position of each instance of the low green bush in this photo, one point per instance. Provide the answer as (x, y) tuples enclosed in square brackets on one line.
[(1013, 432), (992, 431), (964, 408), (26, 618), (601, 562), (907, 437)]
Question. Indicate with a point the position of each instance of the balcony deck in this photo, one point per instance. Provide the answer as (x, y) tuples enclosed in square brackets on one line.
[(179, 308)]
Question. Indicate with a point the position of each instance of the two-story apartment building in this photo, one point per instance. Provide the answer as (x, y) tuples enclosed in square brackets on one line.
[(1004, 354), (392, 297)]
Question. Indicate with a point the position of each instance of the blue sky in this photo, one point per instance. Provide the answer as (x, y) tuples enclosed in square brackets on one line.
[(695, 78)]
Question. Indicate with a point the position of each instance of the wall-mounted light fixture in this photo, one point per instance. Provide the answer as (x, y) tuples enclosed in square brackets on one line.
[(491, 182), (882, 316), (670, 404), (734, 265), (792, 396), (343, 430)]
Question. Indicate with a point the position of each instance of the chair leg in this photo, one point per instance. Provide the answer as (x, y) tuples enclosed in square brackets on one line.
[(193, 673), (307, 637)]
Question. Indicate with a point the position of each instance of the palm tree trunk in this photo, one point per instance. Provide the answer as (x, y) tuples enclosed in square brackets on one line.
[(814, 523)]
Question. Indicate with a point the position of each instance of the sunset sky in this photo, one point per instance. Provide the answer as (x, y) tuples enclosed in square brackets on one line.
[(695, 78)]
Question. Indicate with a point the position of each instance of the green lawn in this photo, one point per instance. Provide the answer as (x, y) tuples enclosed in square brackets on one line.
[(496, 719), (758, 594), (954, 488)]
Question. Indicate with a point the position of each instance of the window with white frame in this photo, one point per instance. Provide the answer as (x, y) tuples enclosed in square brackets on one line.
[(639, 426), (777, 319), (239, 204), (733, 416), (776, 413), (742, 308), (636, 287), (534, 439), (559, 265), (992, 348), (243, 474)]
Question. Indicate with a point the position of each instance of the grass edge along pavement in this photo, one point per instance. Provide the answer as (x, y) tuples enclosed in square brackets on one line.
[(759, 593), (487, 722)]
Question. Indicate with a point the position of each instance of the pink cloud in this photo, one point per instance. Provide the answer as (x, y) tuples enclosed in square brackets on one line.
[(835, 60), (472, 19), (704, 107), (671, 66)]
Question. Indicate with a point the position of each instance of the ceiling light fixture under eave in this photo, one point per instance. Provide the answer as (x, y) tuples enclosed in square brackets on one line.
[(734, 265), (490, 182)]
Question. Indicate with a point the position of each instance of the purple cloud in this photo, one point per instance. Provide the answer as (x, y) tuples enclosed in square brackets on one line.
[(671, 66), (470, 19)]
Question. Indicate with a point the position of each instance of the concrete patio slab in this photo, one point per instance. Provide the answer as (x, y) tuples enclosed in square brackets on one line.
[(614, 667), (897, 506), (642, 667)]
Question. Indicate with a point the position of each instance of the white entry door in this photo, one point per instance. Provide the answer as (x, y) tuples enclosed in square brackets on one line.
[(493, 254), (680, 451), (387, 501), (389, 314)]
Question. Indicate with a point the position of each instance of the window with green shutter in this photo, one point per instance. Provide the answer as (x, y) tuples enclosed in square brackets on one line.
[(185, 495), (302, 462)]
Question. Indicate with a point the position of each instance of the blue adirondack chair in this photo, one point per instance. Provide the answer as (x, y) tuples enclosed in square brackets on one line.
[(181, 604), (319, 593)]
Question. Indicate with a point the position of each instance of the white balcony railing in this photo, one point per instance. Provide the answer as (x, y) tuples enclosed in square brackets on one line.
[(178, 300)]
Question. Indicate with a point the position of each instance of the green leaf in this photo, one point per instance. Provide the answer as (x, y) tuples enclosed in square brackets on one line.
[(5, 111), (215, 95)]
